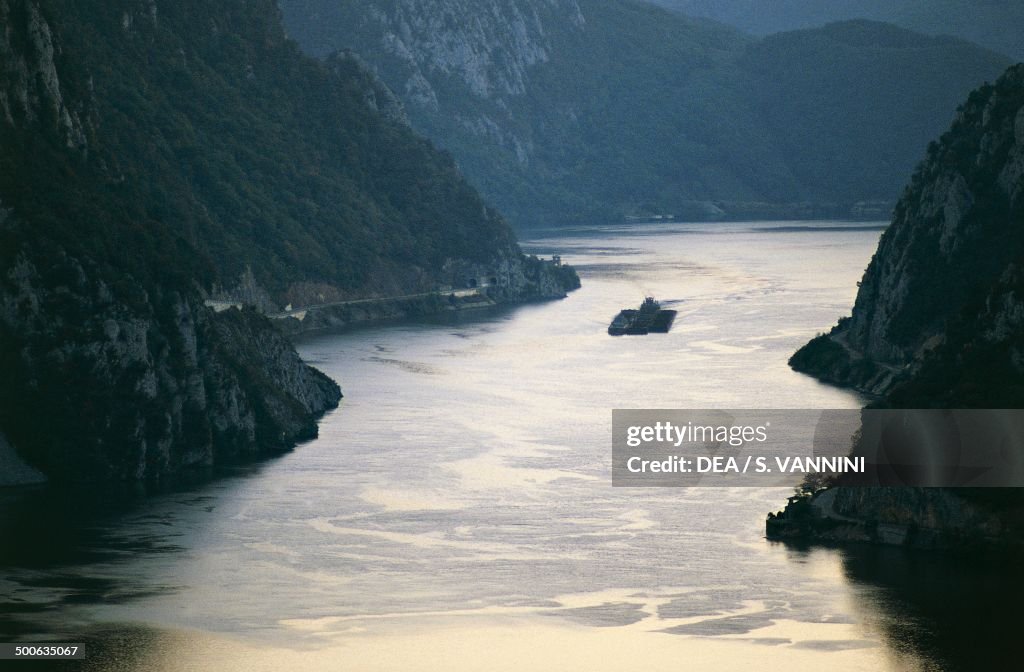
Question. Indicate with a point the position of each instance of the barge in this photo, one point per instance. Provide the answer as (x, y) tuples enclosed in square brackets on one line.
[(650, 318)]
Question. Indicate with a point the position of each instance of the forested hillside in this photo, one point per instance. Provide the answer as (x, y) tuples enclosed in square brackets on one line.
[(152, 154), (566, 110), (995, 24)]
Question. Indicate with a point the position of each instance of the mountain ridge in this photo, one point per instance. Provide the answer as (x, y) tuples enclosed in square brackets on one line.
[(994, 25), (613, 110)]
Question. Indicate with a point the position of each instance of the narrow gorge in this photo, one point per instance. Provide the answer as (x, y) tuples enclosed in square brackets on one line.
[(160, 158)]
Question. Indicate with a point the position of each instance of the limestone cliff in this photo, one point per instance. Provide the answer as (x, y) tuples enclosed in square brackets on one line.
[(938, 323), (943, 282), (435, 53)]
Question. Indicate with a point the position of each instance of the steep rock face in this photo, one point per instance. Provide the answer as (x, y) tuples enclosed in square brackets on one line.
[(154, 156), (562, 111), (938, 323), (489, 46), (949, 258), (490, 53), (120, 383), (436, 52), (33, 88), (108, 376)]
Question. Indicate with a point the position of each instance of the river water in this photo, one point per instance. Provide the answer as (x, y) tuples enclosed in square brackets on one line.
[(457, 512)]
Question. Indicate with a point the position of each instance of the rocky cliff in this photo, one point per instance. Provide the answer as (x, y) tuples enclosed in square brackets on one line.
[(461, 68), (110, 382), (938, 323), (154, 156), (943, 286), (576, 110), (926, 518)]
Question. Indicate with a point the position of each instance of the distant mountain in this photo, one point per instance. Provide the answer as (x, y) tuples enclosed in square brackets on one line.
[(852, 106), (995, 24), (153, 154), (562, 111)]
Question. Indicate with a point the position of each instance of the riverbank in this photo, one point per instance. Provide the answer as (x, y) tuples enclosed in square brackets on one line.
[(337, 316), (923, 518), (528, 280), (424, 510)]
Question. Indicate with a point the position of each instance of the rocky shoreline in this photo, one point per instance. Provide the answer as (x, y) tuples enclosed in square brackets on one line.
[(938, 322), (182, 386), (922, 518), (546, 282), (159, 382)]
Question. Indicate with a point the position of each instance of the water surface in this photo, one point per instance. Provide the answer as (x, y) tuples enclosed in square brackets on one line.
[(456, 512)]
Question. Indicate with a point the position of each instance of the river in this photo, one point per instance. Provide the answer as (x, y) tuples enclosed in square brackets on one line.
[(457, 512)]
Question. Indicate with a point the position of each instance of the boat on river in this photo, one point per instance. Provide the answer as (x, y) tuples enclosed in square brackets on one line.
[(649, 318)]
